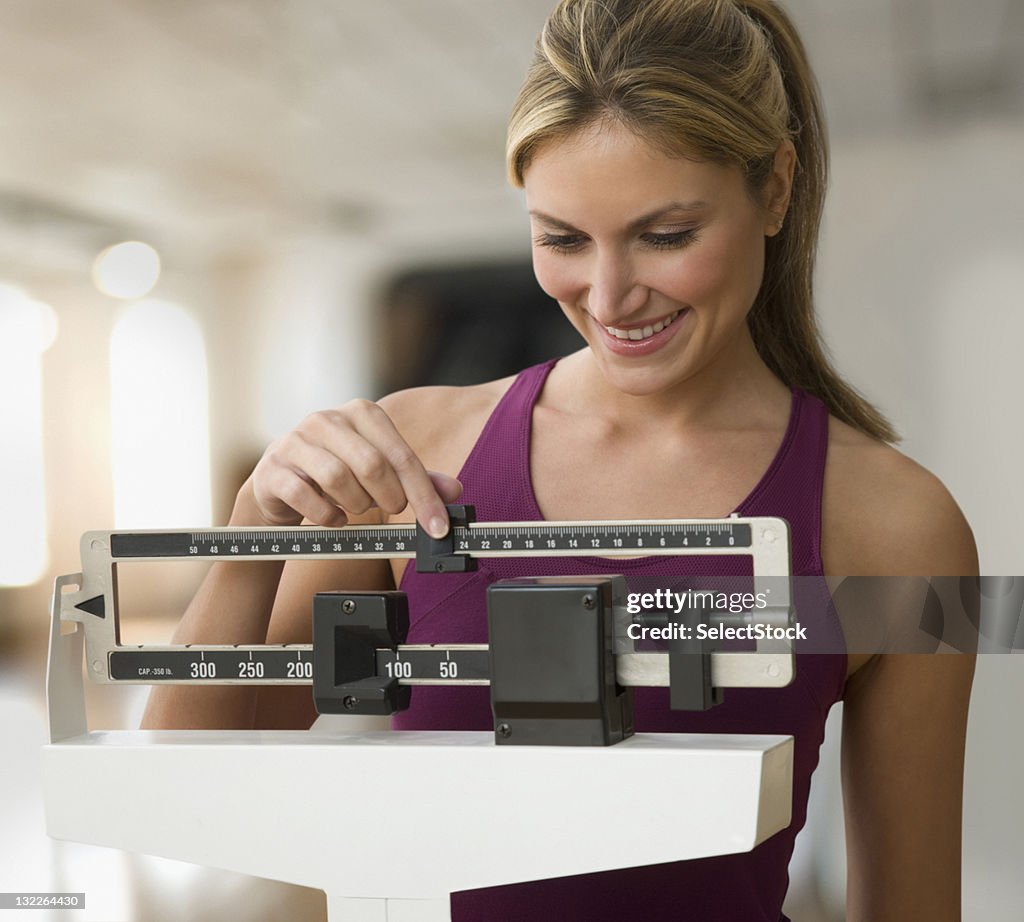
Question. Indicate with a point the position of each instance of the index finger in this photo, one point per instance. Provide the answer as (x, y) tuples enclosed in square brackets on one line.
[(374, 425)]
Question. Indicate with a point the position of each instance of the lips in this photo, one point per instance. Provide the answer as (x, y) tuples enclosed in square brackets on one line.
[(640, 333), (636, 341)]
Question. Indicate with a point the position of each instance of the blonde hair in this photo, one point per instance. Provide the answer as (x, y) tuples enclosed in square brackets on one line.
[(719, 80)]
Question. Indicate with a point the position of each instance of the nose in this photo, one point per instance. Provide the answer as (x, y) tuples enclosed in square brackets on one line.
[(613, 291)]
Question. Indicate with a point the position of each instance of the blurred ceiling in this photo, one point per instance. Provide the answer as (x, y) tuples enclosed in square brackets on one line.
[(219, 125)]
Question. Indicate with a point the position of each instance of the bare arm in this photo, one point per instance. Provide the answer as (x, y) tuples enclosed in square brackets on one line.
[(338, 466), (904, 730), (904, 734), (265, 602)]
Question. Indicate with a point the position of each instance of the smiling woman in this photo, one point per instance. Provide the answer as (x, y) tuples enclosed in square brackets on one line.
[(673, 158), (673, 286)]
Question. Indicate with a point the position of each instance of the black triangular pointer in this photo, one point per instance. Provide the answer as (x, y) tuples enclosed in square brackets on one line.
[(94, 606)]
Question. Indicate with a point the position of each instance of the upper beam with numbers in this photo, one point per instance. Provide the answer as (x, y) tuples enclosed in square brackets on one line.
[(483, 539)]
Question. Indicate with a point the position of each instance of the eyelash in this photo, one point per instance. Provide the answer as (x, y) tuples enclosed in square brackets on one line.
[(570, 243)]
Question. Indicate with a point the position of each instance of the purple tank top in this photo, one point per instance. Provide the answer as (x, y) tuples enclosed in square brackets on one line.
[(451, 608)]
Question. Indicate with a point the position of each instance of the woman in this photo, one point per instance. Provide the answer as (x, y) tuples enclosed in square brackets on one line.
[(673, 158)]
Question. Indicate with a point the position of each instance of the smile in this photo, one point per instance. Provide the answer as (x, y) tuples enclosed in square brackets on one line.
[(636, 334)]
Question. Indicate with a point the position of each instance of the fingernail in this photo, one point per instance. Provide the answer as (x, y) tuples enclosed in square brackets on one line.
[(438, 527)]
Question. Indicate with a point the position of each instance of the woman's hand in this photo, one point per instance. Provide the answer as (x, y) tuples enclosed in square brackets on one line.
[(343, 462)]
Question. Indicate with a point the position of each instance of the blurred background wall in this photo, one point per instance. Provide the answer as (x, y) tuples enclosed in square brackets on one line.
[(313, 177)]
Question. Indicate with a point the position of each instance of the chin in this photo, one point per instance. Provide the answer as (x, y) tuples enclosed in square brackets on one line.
[(639, 382)]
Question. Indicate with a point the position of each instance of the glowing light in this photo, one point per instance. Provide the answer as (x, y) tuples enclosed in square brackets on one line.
[(159, 418), (127, 270), (27, 329)]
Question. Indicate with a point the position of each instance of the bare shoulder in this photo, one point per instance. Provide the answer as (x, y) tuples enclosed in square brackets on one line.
[(441, 424), (886, 515)]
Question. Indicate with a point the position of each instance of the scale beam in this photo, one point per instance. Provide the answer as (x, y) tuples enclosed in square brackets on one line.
[(94, 603)]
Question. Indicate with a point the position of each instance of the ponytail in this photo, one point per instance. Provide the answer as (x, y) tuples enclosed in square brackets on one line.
[(782, 322)]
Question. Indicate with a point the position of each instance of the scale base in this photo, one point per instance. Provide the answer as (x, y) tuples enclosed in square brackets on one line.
[(389, 824)]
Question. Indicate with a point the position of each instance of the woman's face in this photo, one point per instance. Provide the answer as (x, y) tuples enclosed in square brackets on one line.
[(655, 260)]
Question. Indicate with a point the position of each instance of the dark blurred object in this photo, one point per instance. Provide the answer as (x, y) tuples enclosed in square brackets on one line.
[(467, 324)]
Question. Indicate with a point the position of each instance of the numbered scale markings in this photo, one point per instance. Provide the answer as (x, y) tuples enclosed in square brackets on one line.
[(411, 664), (480, 540), (293, 664), (95, 604)]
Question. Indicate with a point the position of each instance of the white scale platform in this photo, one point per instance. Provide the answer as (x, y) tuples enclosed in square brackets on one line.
[(389, 824), (382, 819)]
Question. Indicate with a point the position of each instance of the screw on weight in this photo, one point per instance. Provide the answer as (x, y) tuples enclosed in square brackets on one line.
[(349, 702), (348, 606), (588, 601), (504, 731)]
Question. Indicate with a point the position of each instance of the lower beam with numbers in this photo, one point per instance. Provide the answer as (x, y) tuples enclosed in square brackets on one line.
[(551, 661), (434, 664), (255, 665)]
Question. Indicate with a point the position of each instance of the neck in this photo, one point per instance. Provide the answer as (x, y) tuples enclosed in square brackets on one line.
[(735, 390)]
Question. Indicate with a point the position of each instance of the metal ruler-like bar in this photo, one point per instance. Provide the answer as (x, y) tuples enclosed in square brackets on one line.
[(482, 539), (410, 664), (94, 602)]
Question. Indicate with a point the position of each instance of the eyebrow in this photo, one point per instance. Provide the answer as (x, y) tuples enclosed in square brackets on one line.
[(643, 220)]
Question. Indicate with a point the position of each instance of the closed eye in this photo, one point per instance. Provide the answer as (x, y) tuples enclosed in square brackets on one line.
[(571, 243), (560, 243), (671, 241)]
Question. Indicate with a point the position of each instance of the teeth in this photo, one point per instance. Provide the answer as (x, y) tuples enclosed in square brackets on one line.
[(638, 333)]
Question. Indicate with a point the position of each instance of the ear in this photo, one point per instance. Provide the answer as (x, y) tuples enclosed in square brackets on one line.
[(779, 187)]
